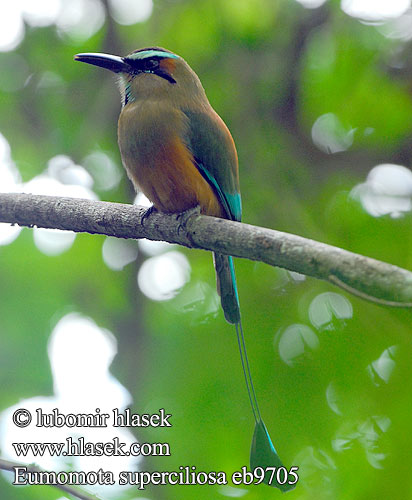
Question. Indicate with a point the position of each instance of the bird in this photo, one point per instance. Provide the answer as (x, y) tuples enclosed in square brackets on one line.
[(178, 151)]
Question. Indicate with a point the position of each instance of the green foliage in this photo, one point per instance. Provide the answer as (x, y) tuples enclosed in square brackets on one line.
[(331, 372)]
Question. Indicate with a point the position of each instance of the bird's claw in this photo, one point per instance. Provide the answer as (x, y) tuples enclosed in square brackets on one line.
[(183, 217), (148, 213)]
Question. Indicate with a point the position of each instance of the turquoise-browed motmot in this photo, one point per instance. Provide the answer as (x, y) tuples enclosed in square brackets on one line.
[(180, 154)]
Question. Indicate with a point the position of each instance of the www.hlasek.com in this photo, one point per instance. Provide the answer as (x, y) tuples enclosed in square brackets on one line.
[(82, 448), (187, 475)]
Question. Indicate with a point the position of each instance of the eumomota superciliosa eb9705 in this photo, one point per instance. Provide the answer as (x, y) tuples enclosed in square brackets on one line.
[(180, 154)]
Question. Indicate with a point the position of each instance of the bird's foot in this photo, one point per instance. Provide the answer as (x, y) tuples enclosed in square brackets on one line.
[(148, 213), (183, 217)]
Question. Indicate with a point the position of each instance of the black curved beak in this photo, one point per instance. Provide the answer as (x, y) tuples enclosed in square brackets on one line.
[(107, 61)]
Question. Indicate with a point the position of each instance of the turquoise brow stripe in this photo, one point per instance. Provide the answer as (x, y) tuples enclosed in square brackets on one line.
[(152, 53)]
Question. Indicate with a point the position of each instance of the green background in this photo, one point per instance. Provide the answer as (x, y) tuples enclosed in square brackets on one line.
[(334, 394)]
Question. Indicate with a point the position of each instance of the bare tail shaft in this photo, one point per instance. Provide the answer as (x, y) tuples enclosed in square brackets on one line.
[(226, 287)]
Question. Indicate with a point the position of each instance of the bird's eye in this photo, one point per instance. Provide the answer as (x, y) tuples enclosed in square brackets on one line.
[(151, 64)]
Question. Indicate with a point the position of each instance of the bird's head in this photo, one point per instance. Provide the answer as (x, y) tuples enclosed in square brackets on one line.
[(152, 72)]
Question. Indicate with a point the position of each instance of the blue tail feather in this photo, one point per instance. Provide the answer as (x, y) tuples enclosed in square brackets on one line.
[(263, 454)]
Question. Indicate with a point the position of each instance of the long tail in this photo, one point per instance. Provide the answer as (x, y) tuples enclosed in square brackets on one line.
[(227, 289), (262, 453)]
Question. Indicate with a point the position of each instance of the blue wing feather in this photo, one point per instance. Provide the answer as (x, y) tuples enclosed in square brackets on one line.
[(214, 151), (232, 203)]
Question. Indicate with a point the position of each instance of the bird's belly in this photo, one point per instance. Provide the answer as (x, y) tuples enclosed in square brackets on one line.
[(165, 172)]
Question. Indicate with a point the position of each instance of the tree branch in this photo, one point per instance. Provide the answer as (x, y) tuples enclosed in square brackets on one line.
[(71, 490), (365, 277)]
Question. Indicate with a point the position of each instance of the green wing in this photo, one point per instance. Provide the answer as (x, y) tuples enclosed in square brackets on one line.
[(215, 155)]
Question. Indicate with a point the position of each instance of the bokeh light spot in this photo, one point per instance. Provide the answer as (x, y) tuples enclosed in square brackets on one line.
[(231, 492), (10, 178), (8, 233), (93, 348), (151, 248), (62, 178), (399, 28), (11, 26), (332, 398), (161, 277), (80, 19), (327, 306), (330, 136), (375, 10), (387, 190), (315, 466), (381, 369), (130, 12), (104, 170), (41, 12), (63, 169), (53, 242), (370, 433), (199, 299), (296, 342), (117, 253)]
